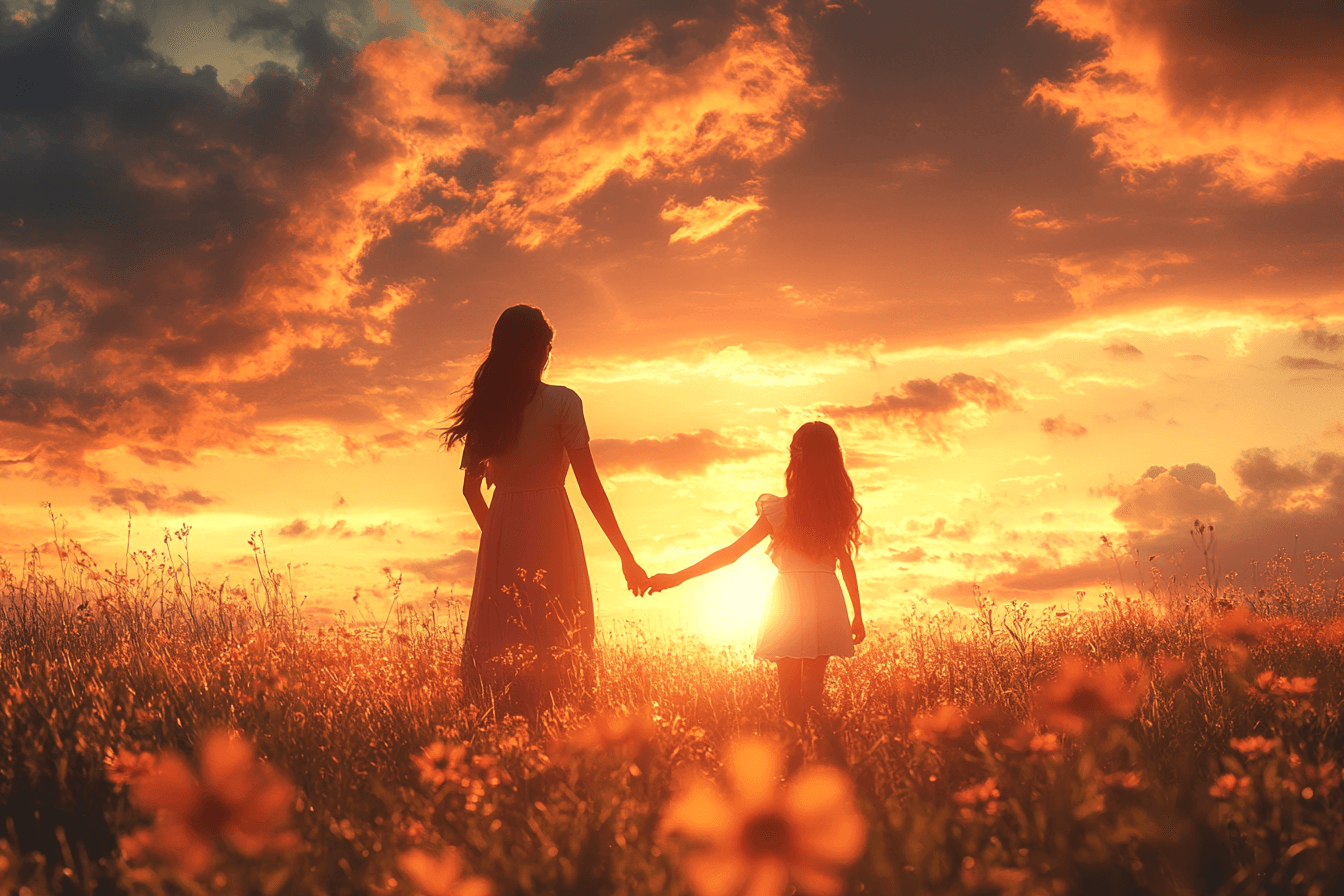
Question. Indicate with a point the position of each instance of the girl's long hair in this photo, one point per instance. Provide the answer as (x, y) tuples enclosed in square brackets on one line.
[(489, 418), (821, 516)]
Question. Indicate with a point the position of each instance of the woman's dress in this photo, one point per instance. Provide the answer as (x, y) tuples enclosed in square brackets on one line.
[(530, 626), (805, 616)]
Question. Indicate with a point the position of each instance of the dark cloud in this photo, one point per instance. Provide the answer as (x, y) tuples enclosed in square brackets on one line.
[(451, 569), (152, 498), (1296, 507), (1062, 428), (301, 528), (1293, 363), (677, 456), (924, 402), (1321, 339), (1123, 350)]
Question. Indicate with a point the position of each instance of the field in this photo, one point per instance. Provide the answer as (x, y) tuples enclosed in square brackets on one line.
[(163, 736)]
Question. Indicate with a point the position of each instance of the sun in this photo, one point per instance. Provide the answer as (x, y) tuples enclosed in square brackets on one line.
[(728, 602)]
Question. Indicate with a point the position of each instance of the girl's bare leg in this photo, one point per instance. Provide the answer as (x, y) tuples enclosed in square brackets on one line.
[(791, 689), (813, 685)]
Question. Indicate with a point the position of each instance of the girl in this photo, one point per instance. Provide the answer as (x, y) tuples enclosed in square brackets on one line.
[(814, 526), (530, 626)]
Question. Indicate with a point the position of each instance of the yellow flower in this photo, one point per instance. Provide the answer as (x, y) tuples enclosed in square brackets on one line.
[(758, 836), (236, 799), (441, 875), (1269, 683), (626, 735), (1252, 747)]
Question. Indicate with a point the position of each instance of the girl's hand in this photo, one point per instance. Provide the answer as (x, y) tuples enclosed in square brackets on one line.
[(857, 630), (661, 582)]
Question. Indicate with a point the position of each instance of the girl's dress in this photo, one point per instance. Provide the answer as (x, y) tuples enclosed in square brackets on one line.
[(805, 617), (530, 626)]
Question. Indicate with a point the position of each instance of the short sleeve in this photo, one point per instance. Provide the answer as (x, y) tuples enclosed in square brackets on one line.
[(772, 508), (573, 428)]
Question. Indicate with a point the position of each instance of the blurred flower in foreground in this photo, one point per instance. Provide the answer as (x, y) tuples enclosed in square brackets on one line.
[(758, 836), (237, 799), (1269, 683), (627, 737), (441, 875), (1081, 698), (946, 723), (124, 767), (1252, 747)]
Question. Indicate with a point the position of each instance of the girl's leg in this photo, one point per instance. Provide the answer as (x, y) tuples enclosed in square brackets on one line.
[(813, 684), (791, 689)]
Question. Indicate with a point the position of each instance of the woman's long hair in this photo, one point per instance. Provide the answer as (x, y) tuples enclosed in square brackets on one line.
[(822, 517), (489, 418)]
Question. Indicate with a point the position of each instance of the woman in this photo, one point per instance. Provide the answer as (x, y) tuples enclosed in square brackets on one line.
[(530, 627)]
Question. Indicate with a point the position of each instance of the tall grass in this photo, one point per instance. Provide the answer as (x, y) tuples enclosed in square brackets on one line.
[(1184, 739)]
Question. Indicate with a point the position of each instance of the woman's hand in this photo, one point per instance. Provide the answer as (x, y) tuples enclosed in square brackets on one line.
[(636, 579), (662, 581), (857, 629)]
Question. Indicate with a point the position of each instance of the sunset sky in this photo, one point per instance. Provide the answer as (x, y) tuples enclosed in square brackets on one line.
[(1054, 270)]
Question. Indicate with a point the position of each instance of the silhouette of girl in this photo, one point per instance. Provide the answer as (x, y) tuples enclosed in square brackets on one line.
[(530, 626), (814, 526)]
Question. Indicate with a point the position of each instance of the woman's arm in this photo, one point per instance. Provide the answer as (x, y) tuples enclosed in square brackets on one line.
[(720, 558), (851, 578), (471, 490), (590, 486)]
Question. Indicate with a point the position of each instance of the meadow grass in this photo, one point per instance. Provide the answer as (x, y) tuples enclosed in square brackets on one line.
[(1184, 739)]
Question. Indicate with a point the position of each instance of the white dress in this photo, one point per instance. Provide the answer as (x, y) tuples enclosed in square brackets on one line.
[(531, 619), (805, 616)]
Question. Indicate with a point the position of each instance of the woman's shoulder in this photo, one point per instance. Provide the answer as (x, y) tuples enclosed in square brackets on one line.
[(772, 508), (560, 394)]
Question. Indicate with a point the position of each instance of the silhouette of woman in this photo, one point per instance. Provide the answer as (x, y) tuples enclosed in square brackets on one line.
[(530, 626)]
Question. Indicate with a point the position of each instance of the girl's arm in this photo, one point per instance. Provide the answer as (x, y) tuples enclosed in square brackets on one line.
[(717, 560), (852, 586), (590, 486), (471, 490)]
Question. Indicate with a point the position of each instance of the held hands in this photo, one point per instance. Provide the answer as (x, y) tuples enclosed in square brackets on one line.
[(662, 581), (636, 579), (857, 629)]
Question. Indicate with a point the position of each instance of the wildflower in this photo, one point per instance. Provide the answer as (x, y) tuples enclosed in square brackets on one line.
[(438, 763), (978, 796), (1081, 698), (629, 734), (441, 875), (758, 836), (1241, 625), (124, 767), (1280, 686), (1229, 784), (1252, 747), (1173, 669), (237, 799), (946, 723)]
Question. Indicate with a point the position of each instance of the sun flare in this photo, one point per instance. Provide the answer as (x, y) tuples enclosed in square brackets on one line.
[(728, 603)]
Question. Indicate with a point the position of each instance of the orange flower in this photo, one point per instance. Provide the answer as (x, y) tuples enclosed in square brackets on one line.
[(946, 723), (1251, 747), (1269, 683), (1081, 698), (441, 875), (628, 735), (438, 763), (1228, 785), (983, 795), (125, 767), (237, 799), (758, 836)]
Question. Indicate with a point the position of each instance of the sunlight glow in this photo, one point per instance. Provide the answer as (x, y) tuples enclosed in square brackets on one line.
[(727, 604)]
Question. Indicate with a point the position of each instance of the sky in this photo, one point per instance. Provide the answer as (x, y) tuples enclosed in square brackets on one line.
[(1064, 275)]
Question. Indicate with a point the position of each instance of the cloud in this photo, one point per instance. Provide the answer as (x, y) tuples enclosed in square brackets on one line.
[(1252, 91), (1283, 506), (703, 221), (1123, 350), (675, 457), (1321, 339), (1293, 363), (924, 403), (1062, 428), (301, 528), (450, 569), (152, 498)]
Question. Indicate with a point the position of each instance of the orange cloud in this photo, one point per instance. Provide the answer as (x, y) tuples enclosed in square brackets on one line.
[(1061, 427), (1252, 91), (700, 222), (679, 455), (924, 404)]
